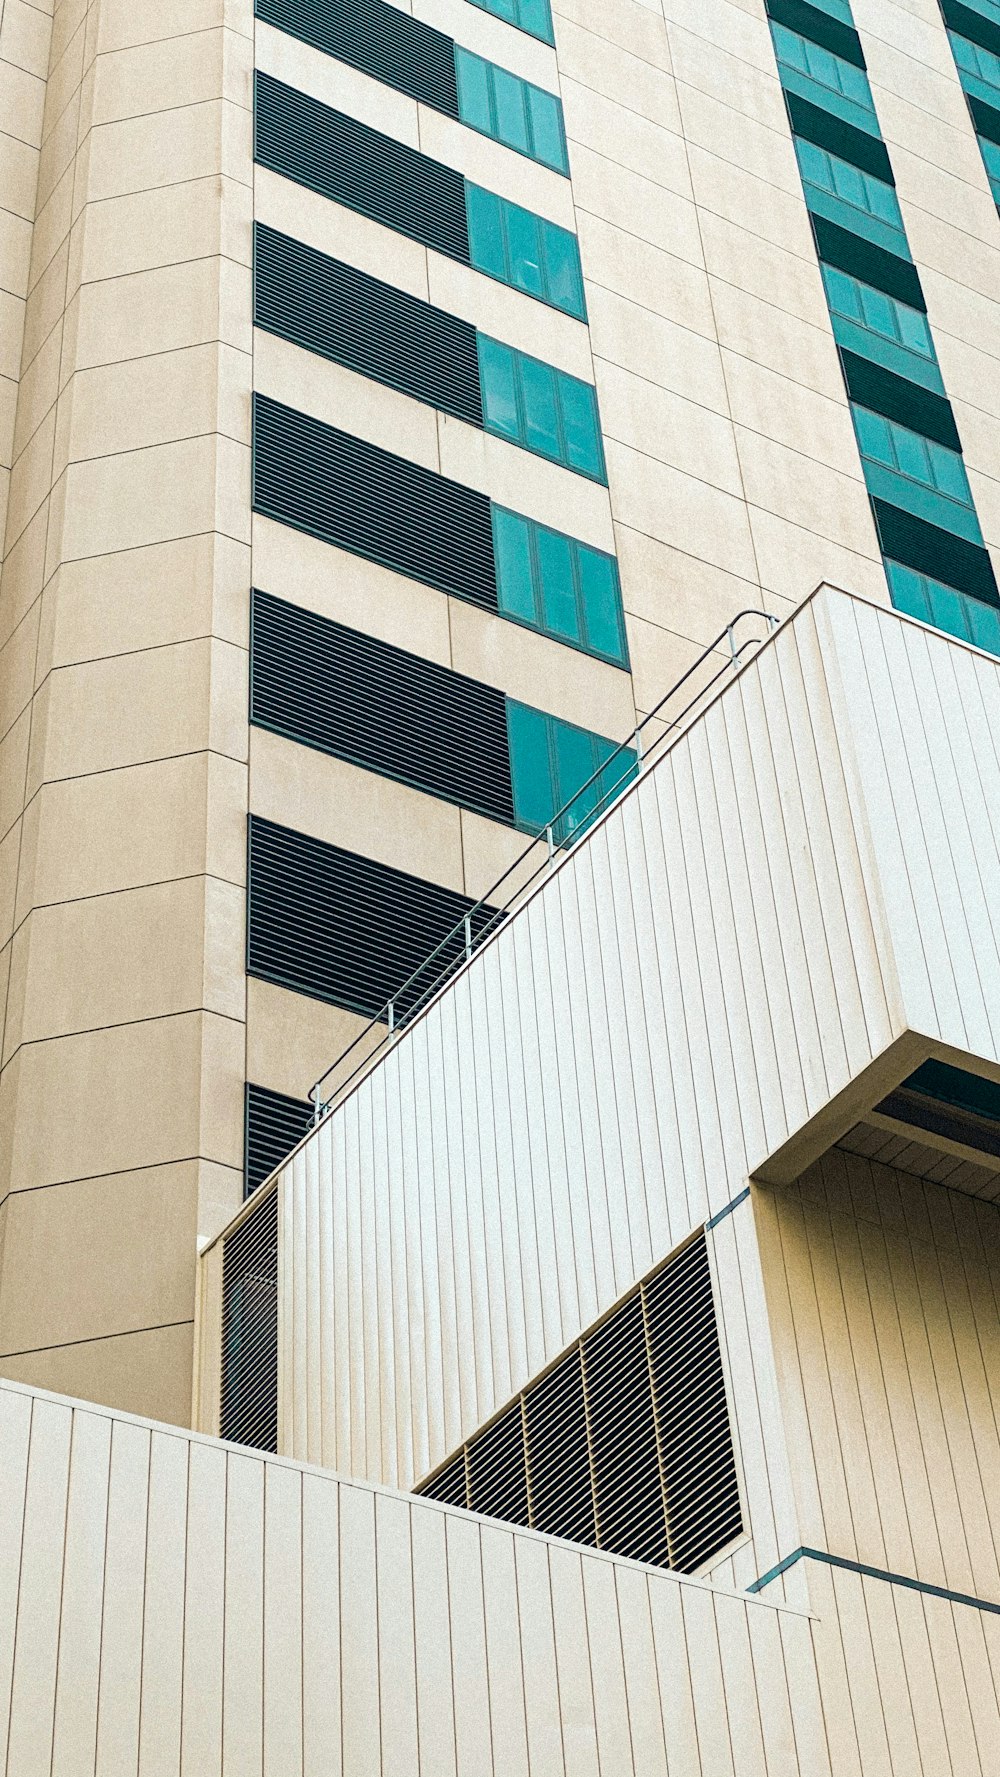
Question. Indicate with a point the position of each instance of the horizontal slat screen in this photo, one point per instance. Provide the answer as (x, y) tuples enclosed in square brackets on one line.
[(351, 164), (373, 328), (275, 1124), (345, 929), (249, 1403), (930, 550), (364, 499), (380, 40), (625, 1443), (389, 711)]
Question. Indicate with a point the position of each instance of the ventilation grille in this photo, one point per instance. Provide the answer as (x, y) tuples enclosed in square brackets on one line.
[(625, 1443), (381, 332), (381, 40), (363, 499), (275, 1124), (344, 160), (348, 694), (250, 1329), (939, 553), (345, 929)]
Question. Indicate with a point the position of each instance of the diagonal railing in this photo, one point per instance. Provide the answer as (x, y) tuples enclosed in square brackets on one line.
[(558, 835)]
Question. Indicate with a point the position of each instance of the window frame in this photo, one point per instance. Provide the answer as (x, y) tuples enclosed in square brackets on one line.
[(470, 65), (516, 361)]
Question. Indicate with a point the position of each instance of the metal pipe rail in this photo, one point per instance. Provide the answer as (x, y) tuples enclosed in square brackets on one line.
[(458, 945)]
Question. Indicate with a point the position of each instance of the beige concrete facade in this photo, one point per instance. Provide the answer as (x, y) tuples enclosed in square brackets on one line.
[(123, 607), (128, 356)]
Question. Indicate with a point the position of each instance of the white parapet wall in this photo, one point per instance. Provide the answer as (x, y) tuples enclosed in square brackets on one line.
[(787, 912), (173, 1605)]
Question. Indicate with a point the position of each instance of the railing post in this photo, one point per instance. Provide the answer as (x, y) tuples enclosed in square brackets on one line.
[(392, 1016), (318, 1105), (550, 842), (468, 937)]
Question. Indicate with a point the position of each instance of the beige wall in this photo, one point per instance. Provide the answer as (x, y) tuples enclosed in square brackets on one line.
[(124, 598), (882, 1290), (170, 1603), (25, 31)]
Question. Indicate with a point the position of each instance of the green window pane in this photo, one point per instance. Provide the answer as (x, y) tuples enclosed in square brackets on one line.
[(515, 574), (498, 377), (576, 761), (601, 602), (541, 413), (473, 77), (535, 16), (881, 200), (525, 250), (578, 402), (813, 163), (874, 436), (914, 331), (559, 599), (909, 591), (911, 454), (486, 231), (563, 274), (949, 473), (984, 623), (843, 293), (530, 768), (548, 139), (511, 112), (849, 184), (503, 9)]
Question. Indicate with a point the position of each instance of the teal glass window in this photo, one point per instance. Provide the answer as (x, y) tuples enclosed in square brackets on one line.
[(839, 177), (911, 454), (972, 59), (878, 312), (512, 111), (822, 66), (543, 409), (533, 16), (524, 250), (559, 586), (991, 160), (971, 619), (551, 763)]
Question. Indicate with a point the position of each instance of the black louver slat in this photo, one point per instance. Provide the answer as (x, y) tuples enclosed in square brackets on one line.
[(371, 327), (625, 1443), (345, 929), (350, 164), (361, 699), (249, 1403), (363, 499), (929, 549), (380, 40), (275, 1124)]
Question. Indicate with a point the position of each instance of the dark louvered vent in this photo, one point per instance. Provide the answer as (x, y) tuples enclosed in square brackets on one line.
[(381, 40), (951, 1102), (353, 165), (625, 1443), (934, 551), (345, 929), (362, 498), (361, 699), (275, 1124), (371, 327), (249, 1412)]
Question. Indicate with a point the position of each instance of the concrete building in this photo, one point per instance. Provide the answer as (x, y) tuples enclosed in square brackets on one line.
[(397, 402)]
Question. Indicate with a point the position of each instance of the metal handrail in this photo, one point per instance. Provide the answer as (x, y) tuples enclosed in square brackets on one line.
[(462, 933)]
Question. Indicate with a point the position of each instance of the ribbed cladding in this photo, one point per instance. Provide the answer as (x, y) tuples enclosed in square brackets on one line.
[(363, 499), (373, 328), (361, 699), (249, 1398), (275, 1124), (689, 1390), (356, 166), (380, 40), (345, 929), (625, 1443)]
